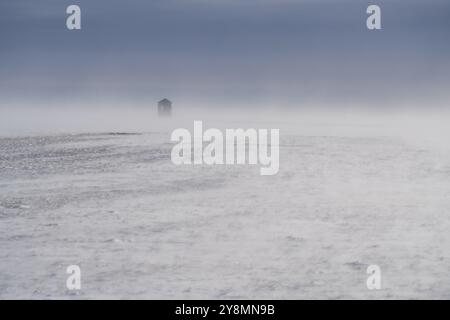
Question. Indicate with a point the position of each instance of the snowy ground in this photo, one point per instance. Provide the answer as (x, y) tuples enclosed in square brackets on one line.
[(347, 196)]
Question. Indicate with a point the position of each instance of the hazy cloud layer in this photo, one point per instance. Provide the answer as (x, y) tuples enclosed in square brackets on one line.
[(287, 52)]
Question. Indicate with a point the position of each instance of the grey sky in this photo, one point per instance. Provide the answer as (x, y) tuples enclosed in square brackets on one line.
[(247, 51)]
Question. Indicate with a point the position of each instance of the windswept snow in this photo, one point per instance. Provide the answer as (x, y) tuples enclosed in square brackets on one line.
[(346, 196)]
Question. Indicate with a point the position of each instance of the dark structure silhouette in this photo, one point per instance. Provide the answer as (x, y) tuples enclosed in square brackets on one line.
[(164, 108)]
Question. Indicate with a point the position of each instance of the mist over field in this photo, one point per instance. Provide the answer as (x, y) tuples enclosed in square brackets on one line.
[(87, 178), (414, 123), (98, 189)]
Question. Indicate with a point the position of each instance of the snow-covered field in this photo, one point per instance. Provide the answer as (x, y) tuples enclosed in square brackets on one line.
[(348, 194)]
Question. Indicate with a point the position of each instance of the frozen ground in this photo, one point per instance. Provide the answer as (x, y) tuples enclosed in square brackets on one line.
[(346, 196)]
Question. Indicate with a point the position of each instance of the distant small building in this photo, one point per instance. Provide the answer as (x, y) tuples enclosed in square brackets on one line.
[(164, 108)]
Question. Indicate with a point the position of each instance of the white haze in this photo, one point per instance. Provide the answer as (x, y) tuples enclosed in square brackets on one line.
[(415, 125)]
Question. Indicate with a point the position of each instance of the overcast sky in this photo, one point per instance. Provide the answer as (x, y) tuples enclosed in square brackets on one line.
[(226, 51)]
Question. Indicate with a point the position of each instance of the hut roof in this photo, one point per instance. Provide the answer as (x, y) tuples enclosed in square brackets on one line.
[(165, 101)]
